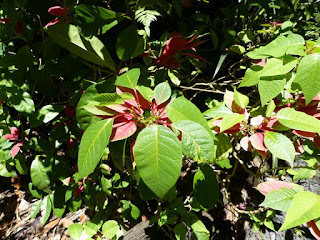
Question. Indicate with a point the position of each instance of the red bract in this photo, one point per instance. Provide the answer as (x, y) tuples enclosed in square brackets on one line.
[(131, 113), (261, 62), (53, 22), (277, 24), (312, 108), (19, 27), (260, 125), (58, 11), (257, 142), (69, 111), (5, 20), (175, 45), (70, 144), (15, 149), (266, 187), (14, 136)]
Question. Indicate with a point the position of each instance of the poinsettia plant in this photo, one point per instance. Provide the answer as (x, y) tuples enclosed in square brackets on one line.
[(131, 67), (166, 129)]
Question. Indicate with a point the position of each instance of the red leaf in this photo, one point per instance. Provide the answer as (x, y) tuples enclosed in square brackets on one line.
[(274, 124), (138, 98), (19, 27), (314, 229), (132, 148), (58, 11), (53, 22), (123, 130), (176, 44), (14, 134), (266, 187), (70, 144), (168, 61), (5, 20), (261, 62), (256, 121), (298, 146), (15, 149), (195, 56), (316, 141), (69, 111), (304, 134), (256, 141), (245, 143)]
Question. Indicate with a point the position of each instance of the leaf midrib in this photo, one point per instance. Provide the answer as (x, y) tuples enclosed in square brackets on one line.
[(97, 136)]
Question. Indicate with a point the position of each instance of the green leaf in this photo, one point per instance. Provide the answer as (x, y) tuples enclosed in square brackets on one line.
[(280, 146), (305, 207), (85, 118), (5, 170), (219, 65), (240, 99), (162, 92), (167, 217), (180, 231), (217, 111), (17, 96), (98, 110), (280, 46), (308, 76), (269, 224), (127, 43), (270, 87), (75, 231), (130, 211), (298, 120), (304, 173), (158, 156), (104, 99), (129, 79), (196, 142), (252, 76), (59, 200), (146, 92), (173, 77), (35, 192), (182, 109), (92, 227), (95, 20), (280, 199), (198, 228), (275, 66), (39, 174), (93, 143), (223, 147), (146, 17), (45, 115), (46, 205), (91, 50), (271, 107), (75, 204), (206, 187), (110, 229), (230, 120), (35, 208)]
